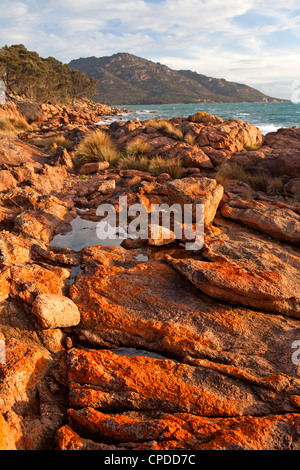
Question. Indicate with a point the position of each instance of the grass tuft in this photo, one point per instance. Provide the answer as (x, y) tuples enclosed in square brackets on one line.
[(11, 125), (134, 162), (260, 182), (137, 147), (50, 144), (97, 146), (167, 128), (172, 166)]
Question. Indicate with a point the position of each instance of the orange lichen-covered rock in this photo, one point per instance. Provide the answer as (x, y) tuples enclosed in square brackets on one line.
[(247, 269), (7, 441), (280, 223), (178, 431), (68, 439), (4, 287), (116, 381), (105, 380), (151, 306), (227, 281), (23, 368), (27, 281), (122, 428)]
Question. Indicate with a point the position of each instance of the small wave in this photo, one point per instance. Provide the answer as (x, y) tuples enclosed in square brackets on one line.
[(145, 111), (243, 114), (266, 128)]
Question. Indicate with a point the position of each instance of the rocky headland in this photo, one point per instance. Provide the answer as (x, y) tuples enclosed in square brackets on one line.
[(147, 345)]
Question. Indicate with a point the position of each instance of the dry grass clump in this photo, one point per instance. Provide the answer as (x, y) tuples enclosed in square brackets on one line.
[(137, 147), (293, 201), (167, 128), (172, 166), (134, 162), (199, 116), (97, 146), (190, 139), (275, 187), (12, 125), (50, 144), (260, 182), (156, 166), (232, 171)]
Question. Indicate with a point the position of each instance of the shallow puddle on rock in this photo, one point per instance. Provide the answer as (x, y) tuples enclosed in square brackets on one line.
[(74, 271), (84, 233), (131, 352), (142, 258)]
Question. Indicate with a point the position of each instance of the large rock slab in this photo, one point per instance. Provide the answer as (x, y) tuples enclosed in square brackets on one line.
[(124, 302), (180, 431), (233, 135), (23, 369), (283, 162), (280, 223), (112, 382), (246, 269), (195, 191)]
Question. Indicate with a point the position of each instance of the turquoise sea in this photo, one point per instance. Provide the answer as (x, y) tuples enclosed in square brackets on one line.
[(268, 117)]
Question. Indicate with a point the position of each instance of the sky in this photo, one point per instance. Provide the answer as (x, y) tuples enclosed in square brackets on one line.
[(255, 42)]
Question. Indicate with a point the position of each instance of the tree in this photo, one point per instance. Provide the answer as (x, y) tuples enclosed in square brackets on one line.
[(82, 86), (27, 74)]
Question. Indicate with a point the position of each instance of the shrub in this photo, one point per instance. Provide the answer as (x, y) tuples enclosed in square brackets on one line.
[(172, 166), (19, 122), (275, 187), (6, 125), (252, 147), (97, 146)]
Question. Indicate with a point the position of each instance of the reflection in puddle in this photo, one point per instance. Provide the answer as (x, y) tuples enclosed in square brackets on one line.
[(84, 233), (131, 352), (142, 258), (74, 271)]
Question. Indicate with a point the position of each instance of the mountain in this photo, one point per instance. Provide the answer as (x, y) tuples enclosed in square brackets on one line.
[(128, 80)]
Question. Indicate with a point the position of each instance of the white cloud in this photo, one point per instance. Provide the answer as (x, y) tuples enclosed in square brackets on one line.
[(203, 35)]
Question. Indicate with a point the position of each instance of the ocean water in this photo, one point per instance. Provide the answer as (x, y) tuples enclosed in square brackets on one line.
[(268, 117)]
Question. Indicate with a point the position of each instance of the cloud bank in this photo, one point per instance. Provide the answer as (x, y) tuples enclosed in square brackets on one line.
[(253, 42)]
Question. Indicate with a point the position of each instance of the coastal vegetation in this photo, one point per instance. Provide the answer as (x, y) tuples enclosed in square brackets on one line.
[(12, 125), (27, 74), (97, 146), (259, 182), (167, 128), (50, 144)]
